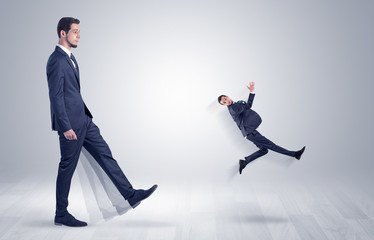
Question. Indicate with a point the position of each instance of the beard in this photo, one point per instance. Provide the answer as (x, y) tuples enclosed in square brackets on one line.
[(70, 44)]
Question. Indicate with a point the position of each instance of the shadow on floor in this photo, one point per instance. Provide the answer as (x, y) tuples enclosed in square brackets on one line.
[(258, 219), (149, 223)]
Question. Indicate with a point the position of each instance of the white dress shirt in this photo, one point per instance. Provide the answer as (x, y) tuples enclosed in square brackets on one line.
[(67, 52)]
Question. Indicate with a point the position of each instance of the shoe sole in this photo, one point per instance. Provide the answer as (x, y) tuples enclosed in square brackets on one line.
[(136, 204), (60, 224)]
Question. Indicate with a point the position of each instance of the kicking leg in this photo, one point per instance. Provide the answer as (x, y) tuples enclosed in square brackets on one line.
[(99, 149)]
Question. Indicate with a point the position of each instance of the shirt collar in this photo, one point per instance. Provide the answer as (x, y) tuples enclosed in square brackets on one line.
[(64, 49)]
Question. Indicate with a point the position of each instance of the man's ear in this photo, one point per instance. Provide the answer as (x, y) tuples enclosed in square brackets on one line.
[(63, 33)]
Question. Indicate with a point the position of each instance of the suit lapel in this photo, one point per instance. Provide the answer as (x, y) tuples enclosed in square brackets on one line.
[(76, 71), (72, 67)]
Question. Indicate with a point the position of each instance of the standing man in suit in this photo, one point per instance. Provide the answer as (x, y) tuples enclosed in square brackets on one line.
[(248, 121), (73, 122)]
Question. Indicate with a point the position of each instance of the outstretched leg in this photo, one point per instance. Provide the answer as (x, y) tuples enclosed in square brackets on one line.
[(99, 149), (262, 141), (264, 144)]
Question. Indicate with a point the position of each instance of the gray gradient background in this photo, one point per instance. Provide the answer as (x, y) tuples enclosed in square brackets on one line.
[(151, 72)]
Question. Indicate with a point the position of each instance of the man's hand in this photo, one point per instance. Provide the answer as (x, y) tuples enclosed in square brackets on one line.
[(251, 87), (70, 135)]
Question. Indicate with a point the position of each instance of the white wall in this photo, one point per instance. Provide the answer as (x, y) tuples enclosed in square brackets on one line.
[(151, 72)]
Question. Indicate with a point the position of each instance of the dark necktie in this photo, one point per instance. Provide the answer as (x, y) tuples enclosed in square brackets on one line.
[(73, 59), (76, 67)]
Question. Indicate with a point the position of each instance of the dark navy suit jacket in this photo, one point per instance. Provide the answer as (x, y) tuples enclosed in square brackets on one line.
[(68, 110), (246, 119)]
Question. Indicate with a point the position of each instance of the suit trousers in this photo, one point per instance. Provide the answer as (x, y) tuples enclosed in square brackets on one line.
[(88, 136), (264, 145)]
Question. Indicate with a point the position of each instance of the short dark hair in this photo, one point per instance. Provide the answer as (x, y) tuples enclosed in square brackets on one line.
[(220, 97), (65, 24)]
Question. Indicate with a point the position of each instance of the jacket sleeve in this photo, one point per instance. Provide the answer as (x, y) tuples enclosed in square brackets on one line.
[(55, 77), (250, 100)]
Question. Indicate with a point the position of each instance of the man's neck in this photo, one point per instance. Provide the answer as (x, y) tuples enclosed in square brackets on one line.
[(64, 49), (64, 44)]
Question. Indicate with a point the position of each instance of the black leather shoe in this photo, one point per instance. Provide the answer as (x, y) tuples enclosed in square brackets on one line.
[(299, 153), (242, 165), (69, 220), (140, 195)]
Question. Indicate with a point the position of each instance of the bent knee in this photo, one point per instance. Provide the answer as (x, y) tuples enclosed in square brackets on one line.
[(264, 150)]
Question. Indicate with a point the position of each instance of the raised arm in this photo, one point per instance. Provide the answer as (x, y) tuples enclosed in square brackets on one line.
[(251, 88)]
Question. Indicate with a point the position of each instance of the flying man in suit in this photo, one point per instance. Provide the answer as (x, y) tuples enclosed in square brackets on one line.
[(248, 121), (73, 122)]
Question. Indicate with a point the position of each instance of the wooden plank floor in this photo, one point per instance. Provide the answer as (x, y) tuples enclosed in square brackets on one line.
[(268, 211)]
